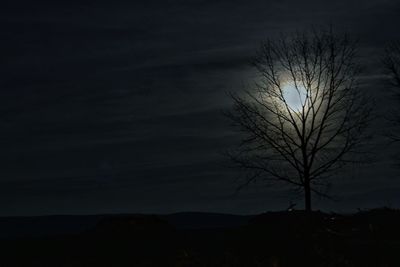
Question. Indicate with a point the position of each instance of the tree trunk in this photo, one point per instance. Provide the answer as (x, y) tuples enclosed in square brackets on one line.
[(307, 195), (308, 223)]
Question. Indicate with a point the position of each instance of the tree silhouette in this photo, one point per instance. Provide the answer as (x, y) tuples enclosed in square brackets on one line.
[(303, 142), (392, 65)]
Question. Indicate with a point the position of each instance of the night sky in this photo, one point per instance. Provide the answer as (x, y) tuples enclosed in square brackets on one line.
[(117, 107)]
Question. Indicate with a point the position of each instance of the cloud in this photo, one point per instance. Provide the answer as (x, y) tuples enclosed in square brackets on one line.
[(140, 86)]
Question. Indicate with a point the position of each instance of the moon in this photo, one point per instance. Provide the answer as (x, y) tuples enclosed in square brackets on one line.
[(294, 97)]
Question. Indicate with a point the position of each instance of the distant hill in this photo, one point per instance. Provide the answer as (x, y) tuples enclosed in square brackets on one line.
[(43, 226), (200, 220), (280, 238)]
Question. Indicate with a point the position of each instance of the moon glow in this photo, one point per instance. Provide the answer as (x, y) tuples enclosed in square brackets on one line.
[(294, 96)]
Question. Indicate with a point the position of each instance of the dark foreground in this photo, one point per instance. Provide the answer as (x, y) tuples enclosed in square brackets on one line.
[(370, 238)]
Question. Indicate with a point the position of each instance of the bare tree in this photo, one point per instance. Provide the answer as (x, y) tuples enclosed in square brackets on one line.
[(392, 65), (301, 143)]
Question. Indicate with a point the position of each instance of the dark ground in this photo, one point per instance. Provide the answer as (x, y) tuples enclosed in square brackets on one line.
[(367, 238)]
